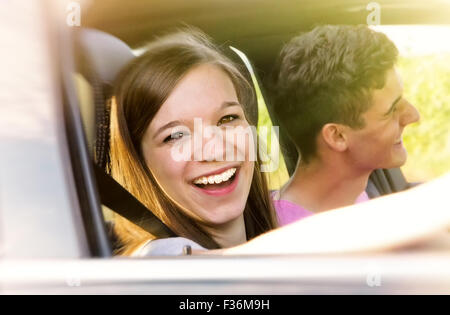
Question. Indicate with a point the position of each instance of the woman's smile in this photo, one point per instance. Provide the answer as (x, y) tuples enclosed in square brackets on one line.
[(219, 183)]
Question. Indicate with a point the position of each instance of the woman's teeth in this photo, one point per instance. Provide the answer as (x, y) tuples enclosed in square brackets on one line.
[(216, 179)]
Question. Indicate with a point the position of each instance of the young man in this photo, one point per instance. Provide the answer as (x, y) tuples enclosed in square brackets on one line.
[(340, 98)]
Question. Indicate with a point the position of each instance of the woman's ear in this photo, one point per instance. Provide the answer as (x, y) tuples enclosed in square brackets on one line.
[(334, 136)]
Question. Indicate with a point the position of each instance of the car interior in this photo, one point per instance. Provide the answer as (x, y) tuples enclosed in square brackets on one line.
[(104, 45), (58, 201)]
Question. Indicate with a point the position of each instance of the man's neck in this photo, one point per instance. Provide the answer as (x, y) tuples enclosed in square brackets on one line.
[(320, 186)]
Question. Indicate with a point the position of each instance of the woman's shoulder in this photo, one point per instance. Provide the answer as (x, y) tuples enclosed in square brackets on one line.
[(173, 246)]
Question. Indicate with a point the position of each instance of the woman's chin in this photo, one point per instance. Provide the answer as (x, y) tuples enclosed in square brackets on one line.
[(221, 215)]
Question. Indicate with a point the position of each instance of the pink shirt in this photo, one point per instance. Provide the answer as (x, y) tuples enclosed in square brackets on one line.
[(288, 212)]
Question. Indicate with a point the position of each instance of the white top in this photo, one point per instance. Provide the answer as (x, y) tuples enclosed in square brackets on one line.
[(172, 246)]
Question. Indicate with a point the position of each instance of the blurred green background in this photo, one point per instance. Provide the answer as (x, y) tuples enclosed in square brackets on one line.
[(427, 86)]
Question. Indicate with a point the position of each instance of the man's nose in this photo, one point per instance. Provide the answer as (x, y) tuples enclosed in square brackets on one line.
[(410, 114)]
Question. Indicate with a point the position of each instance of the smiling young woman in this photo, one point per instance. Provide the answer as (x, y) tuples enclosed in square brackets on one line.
[(158, 96)]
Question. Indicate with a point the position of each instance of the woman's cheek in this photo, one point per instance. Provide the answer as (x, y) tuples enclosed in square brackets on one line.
[(168, 173)]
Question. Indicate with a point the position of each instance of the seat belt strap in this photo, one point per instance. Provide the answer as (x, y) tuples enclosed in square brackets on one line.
[(119, 200)]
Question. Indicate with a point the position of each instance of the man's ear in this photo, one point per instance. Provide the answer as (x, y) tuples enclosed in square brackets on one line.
[(334, 136)]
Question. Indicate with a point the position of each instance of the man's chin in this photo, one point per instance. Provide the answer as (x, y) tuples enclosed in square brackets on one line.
[(398, 161)]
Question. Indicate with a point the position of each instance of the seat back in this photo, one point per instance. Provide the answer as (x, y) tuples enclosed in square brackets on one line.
[(99, 58)]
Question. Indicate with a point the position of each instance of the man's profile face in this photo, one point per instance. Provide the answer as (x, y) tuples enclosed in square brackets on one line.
[(379, 144)]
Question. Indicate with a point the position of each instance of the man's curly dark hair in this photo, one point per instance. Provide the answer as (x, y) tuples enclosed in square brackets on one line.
[(326, 76)]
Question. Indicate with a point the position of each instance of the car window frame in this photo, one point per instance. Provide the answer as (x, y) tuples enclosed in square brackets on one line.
[(80, 161)]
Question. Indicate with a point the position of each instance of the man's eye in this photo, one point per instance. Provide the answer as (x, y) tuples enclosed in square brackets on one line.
[(227, 119), (174, 136), (396, 109)]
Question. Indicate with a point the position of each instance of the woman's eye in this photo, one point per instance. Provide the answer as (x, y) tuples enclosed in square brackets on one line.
[(174, 136), (227, 119)]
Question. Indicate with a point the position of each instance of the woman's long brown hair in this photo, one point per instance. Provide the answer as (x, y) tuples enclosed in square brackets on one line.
[(141, 89)]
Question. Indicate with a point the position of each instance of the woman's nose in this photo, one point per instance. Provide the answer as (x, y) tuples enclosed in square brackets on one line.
[(410, 115), (209, 146)]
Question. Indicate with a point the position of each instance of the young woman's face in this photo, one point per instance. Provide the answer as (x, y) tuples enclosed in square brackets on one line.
[(211, 186)]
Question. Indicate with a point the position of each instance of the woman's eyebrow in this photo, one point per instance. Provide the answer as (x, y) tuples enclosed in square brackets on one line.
[(166, 126), (229, 104)]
